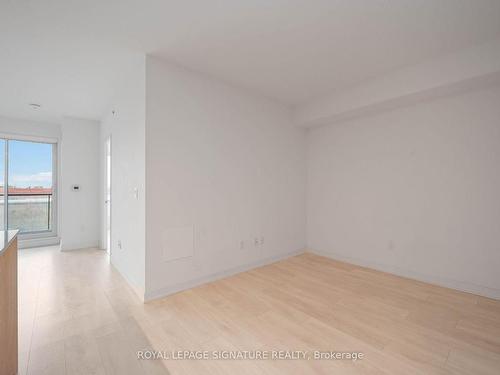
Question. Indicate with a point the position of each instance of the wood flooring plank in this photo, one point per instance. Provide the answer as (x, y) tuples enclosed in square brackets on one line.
[(80, 317)]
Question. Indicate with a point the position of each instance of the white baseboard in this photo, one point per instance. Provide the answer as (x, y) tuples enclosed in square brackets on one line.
[(139, 292), (38, 242), (79, 246), (426, 278), (160, 293)]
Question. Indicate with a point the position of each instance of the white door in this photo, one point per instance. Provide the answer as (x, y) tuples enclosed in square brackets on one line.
[(108, 194)]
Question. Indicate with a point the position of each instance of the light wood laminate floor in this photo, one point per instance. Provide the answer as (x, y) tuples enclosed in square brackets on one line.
[(78, 316)]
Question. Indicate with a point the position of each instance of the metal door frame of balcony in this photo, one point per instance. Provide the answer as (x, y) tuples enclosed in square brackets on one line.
[(54, 209)]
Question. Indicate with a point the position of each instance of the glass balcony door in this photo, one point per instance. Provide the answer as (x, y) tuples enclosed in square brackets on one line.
[(28, 171)]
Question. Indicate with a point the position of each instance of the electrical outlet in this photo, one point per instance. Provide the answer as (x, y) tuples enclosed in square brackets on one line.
[(256, 241)]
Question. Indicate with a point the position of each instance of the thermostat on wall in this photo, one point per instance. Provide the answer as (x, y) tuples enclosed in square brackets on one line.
[(75, 187)]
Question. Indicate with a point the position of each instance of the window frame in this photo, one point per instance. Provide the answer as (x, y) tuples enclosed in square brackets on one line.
[(52, 233)]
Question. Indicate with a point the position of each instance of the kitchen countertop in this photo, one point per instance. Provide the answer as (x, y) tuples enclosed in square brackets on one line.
[(6, 237)]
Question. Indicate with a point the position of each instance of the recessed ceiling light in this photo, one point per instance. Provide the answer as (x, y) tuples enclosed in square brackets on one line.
[(35, 105)]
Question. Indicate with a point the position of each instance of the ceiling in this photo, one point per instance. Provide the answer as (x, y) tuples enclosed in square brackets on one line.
[(68, 55)]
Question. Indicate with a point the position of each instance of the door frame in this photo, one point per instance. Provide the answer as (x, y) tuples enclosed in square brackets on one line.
[(108, 167)]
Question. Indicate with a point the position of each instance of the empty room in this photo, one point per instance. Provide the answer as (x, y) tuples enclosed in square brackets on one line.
[(250, 187)]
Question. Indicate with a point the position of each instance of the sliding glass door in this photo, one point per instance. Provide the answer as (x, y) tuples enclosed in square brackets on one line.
[(28, 169)]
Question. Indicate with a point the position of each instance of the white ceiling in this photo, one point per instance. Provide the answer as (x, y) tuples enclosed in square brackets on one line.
[(69, 54)]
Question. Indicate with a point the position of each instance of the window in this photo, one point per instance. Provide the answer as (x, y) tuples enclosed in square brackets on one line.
[(28, 170)]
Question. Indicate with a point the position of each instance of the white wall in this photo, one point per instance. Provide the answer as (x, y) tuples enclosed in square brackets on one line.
[(414, 191), (79, 164), (222, 166), (127, 129), (15, 127)]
